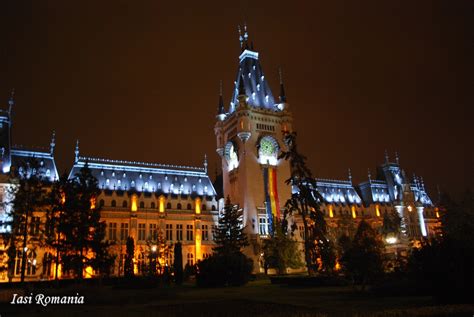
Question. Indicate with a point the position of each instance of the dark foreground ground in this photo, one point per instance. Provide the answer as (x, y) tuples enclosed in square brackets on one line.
[(258, 298)]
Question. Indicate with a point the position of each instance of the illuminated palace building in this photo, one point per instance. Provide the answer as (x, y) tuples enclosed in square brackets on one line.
[(180, 203)]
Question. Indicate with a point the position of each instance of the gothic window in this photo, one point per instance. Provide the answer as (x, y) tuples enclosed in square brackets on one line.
[(152, 205), (101, 203), (213, 208), (179, 206), (168, 206), (190, 259), (204, 207), (124, 204), (142, 204), (113, 203), (189, 233), (189, 207)]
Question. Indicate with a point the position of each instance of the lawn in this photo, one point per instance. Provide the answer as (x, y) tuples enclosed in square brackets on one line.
[(257, 298)]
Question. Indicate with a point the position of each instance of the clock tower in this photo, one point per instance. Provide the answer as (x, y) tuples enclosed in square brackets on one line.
[(249, 136)]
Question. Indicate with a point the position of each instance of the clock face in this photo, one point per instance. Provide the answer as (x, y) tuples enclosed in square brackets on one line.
[(267, 147)]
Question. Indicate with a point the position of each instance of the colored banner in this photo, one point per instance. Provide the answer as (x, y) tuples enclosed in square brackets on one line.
[(271, 196)]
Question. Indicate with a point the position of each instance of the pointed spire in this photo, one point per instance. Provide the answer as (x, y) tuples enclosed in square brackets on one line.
[(422, 184), (282, 88), (246, 35), (369, 175), (386, 156), (241, 39), (205, 163), (76, 152), (397, 158), (349, 175), (53, 143), (220, 107), (11, 101), (241, 86)]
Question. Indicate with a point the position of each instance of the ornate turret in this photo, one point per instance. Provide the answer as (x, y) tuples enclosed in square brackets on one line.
[(76, 152), (220, 106), (52, 145)]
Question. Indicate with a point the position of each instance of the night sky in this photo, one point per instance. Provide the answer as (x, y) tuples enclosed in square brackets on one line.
[(139, 80)]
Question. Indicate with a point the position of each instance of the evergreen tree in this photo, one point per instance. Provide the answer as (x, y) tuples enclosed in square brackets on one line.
[(280, 251), (81, 227), (362, 257), (306, 202), (178, 264), (28, 193), (229, 234), (129, 258)]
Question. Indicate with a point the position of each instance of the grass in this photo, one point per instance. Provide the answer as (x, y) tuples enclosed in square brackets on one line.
[(258, 298)]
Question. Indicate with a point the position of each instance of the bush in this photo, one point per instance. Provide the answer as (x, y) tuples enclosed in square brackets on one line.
[(224, 270)]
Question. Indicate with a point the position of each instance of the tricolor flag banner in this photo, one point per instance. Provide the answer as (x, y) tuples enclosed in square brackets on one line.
[(271, 195)]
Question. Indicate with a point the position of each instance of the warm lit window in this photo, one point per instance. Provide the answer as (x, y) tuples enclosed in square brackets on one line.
[(153, 232), (179, 232), (189, 233), (141, 231), (190, 259), (205, 232), (123, 231), (169, 232), (113, 231)]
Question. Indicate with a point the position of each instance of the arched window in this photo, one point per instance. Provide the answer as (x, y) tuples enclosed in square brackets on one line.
[(142, 204), (178, 206), (113, 203), (204, 207), (101, 203), (124, 204), (189, 207), (168, 206), (153, 206), (213, 208)]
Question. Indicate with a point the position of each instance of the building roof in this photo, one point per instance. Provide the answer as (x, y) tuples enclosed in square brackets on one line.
[(45, 160), (147, 177)]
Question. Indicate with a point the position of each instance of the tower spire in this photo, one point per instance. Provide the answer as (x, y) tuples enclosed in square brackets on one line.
[(11, 101), (386, 156), (76, 152), (369, 175), (53, 143), (205, 163), (220, 107), (349, 175), (397, 158), (282, 88)]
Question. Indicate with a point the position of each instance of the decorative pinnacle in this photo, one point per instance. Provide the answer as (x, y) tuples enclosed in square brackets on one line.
[(53, 143), (76, 152), (11, 101), (386, 156), (220, 107), (282, 88), (205, 163), (349, 175), (397, 158), (369, 175)]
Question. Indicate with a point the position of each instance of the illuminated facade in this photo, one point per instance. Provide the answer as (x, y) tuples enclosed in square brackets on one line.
[(159, 205), (249, 137)]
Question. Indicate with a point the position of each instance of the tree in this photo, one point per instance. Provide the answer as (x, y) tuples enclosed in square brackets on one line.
[(28, 196), (362, 257), (446, 264), (228, 265), (229, 234), (306, 202), (280, 251), (178, 263), (129, 258), (81, 227)]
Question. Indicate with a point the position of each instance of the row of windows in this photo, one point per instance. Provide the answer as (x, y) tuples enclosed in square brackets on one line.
[(179, 206), (153, 232), (266, 127)]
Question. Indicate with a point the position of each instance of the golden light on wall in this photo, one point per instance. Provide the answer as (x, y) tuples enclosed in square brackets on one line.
[(197, 204), (353, 209), (134, 202), (331, 213), (161, 203), (410, 208), (198, 245), (63, 198), (377, 210), (93, 203)]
